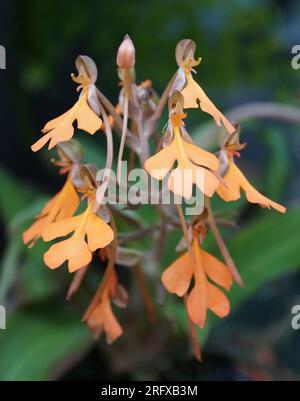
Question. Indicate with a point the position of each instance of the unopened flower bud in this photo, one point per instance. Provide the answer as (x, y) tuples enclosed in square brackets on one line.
[(126, 54)]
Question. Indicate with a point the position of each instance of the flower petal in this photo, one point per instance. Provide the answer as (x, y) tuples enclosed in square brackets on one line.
[(87, 119), (75, 250), (99, 233), (177, 277), (193, 93), (206, 181), (102, 318), (160, 164), (201, 157), (181, 182), (61, 228), (252, 195), (197, 305), (217, 302), (216, 270)]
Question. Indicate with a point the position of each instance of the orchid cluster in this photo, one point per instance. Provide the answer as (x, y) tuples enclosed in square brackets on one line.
[(196, 276)]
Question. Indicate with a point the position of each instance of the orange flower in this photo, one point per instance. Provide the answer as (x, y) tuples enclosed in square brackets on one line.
[(205, 295), (61, 206), (194, 166), (76, 250), (61, 129), (234, 180), (194, 96), (102, 317)]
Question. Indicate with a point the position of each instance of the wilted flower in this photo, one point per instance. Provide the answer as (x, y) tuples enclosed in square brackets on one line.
[(102, 317)]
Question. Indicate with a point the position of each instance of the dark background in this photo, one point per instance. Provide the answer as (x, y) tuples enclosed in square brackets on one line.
[(246, 50)]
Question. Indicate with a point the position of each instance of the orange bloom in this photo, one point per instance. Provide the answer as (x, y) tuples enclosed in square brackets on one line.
[(61, 129), (61, 206), (102, 317), (234, 180), (204, 295), (76, 249), (194, 96), (194, 166)]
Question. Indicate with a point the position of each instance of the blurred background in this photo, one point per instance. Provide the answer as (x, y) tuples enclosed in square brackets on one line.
[(246, 50)]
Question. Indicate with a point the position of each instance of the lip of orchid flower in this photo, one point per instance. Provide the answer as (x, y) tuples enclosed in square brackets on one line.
[(234, 180), (205, 295), (90, 232)]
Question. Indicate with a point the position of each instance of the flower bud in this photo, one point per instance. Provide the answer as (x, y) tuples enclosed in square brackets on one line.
[(126, 54)]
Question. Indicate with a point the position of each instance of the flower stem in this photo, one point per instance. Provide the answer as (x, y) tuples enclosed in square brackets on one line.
[(123, 136), (221, 244)]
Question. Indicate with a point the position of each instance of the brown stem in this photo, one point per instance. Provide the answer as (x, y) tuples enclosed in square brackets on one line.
[(145, 293), (193, 334), (221, 244), (185, 232), (123, 136), (109, 159), (75, 283)]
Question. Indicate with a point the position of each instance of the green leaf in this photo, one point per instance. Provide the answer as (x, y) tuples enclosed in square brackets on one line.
[(278, 164), (14, 196), (265, 250), (37, 340)]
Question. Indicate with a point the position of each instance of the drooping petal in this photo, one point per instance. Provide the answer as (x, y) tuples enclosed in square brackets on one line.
[(74, 250), (217, 302), (177, 277), (61, 128), (229, 190), (160, 164), (70, 201), (216, 270), (181, 181), (87, 119), (201, 157), (206, 181), (194, 96), (61, 206), (102, 318), (61, 228), (197, 305), (235, 180), (33, 232), (99, 233)]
